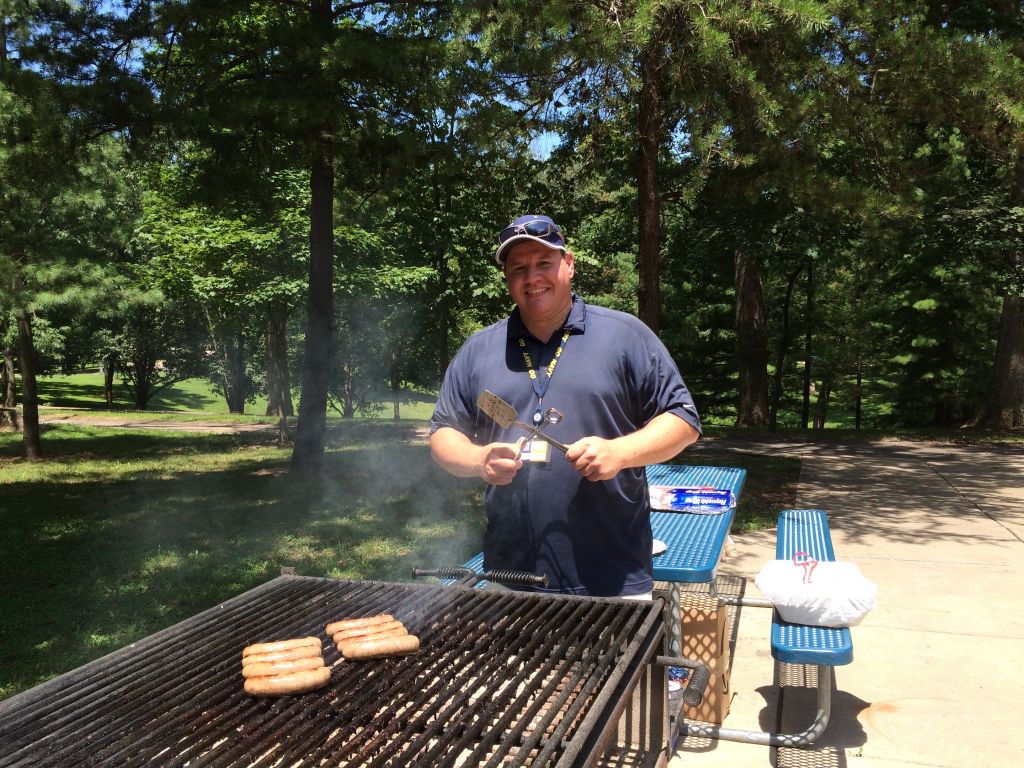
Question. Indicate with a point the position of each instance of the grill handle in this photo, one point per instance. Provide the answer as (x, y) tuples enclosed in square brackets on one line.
[(460, 574), (469, 577), (698, 681), (516, 578)]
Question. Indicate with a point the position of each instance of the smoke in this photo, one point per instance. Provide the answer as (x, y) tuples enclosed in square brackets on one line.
[(381, 506)]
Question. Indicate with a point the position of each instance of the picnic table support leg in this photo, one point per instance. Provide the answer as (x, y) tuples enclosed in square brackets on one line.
[(802, 739), (748, 602)]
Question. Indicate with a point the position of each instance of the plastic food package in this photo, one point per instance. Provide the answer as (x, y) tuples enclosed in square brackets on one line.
[(820, 593), (702, 500)]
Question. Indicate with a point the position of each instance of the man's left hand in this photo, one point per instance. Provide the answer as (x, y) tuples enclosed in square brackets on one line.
[(595, 458)]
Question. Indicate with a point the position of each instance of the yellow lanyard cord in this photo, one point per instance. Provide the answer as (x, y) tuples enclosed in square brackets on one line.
[(550, 369)]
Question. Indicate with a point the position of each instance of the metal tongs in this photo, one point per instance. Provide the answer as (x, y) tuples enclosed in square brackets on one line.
[(505, 416)]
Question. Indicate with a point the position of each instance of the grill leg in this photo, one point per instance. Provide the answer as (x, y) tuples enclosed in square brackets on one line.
[(643, 730), (660, 745)]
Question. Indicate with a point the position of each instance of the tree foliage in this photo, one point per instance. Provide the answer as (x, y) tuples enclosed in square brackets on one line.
[(818, 206)]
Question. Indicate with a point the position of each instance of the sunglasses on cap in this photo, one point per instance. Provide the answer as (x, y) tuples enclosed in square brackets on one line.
[(535, 228)]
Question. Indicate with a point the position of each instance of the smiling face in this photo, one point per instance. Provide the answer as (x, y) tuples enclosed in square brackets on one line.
[(540, 283)]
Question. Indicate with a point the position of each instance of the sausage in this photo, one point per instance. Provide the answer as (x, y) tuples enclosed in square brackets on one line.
[(279, 645), (366, 621), (366, 631), (301, 652), (372, 629), (393, 632), (376, 648), (280, 667), (289, 683)]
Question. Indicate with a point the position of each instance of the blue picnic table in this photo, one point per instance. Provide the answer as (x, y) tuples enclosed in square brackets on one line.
[(694, 539)]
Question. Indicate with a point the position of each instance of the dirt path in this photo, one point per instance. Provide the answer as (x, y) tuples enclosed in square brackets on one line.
[(212, 426), (135, 421)]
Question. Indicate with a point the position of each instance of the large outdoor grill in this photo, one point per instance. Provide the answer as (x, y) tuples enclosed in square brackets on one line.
[(502, 678)]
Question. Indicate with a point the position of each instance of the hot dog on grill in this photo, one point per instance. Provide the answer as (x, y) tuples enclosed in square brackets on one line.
[(280, 645), (289, 683), (366, 621), (300, 652), (280, 667), (394, 632), (375, 648), (374, 629)]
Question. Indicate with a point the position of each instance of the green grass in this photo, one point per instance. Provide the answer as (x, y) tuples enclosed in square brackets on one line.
[(85, 390), (121, 533), (770, 485), (192, 398)]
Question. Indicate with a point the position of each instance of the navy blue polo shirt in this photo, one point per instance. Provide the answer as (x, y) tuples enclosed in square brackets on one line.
[(612, 377)]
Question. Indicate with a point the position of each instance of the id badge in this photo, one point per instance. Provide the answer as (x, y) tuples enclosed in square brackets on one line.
[(536, 450)]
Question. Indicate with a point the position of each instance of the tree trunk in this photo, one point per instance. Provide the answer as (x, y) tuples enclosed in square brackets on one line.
[(109, 367), (443, 298), (859, 395), (396, 387), (648, 192), (235, 380), (10, 392), (143, 387), (821, 411), (279, 395), (751, 342), (348, 406), (805, 414), (29, 395), (1004, 408), (308, 454), (141, 377), (443, 316), (780, 358)]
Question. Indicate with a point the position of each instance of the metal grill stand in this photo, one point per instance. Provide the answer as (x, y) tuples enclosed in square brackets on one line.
[(503, 678)]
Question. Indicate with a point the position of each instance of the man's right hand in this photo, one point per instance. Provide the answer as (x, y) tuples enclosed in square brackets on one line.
[(496, 463), (501, 462)]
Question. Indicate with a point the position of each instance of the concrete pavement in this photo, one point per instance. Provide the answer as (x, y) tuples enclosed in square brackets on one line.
[(938, 671)]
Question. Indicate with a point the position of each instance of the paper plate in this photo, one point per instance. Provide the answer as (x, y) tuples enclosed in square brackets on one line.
[(659, 547)]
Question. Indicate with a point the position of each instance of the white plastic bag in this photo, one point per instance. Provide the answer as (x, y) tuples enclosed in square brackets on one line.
[(819, 593)]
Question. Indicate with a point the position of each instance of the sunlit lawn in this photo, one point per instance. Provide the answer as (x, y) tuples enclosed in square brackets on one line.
[(189, 399), (118, 534)]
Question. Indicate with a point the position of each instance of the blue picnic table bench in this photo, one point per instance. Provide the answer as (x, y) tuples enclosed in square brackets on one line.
[(799, 530)]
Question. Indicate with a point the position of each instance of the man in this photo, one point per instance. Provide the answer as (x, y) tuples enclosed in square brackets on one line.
[(581, 518)]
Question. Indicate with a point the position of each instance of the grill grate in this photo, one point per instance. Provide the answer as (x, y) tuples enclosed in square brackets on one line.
[(502, 678)]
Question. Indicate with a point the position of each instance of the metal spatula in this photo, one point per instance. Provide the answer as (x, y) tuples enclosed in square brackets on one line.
[(505, 416)]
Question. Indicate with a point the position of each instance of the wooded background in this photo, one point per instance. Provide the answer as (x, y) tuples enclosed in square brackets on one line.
[(819, 206)]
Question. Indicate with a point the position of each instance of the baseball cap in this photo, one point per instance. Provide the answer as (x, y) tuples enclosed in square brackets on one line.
[(539, 229)]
